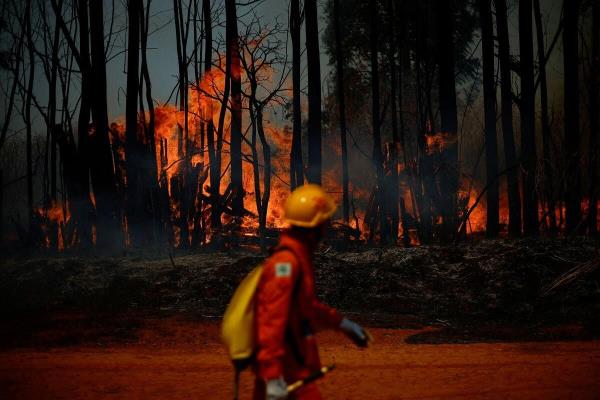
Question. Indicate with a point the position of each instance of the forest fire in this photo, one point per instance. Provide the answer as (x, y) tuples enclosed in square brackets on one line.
[(54, 221), (180, 175), (215, 163), (437, 142)]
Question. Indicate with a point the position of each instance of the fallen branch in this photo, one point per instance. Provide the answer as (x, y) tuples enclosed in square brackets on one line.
[(571, 275)]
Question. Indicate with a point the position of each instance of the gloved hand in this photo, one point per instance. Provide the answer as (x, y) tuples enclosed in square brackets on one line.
[(355, 332), (277, 389)]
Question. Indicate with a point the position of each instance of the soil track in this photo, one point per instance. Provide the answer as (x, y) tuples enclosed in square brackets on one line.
[(175, 359)]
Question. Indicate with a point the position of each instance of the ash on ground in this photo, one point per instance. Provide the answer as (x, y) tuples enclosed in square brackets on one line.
[(491, 284)]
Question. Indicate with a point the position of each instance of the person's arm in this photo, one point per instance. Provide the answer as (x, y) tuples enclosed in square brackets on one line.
[(329, 317), (272, 308), (325, 316)]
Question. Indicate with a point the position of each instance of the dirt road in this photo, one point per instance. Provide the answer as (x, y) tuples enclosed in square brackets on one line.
[(184, 360)]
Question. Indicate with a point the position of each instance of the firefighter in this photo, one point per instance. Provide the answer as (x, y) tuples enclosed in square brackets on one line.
[(287, 309)]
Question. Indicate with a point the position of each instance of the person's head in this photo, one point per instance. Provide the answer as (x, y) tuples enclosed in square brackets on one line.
[(308, 211)]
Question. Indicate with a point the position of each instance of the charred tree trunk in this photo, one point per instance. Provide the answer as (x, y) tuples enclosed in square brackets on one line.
[(224, 102), (393, 187), (377, 152), (571, 103), (133, 150), (528, 147), (213, 158), (70, 164), (313, 61), (221, 127), (150, 163), (424, 182), (13, 88), (108, 223), (28, 104), (51, 136), (255, 163), (398, 37), (548, 186), (52, 132), (448, 171), (296, 167), (510, 153), (83, 204), (342, 110), (76, 169), (489, 97), (197, 44), (184, 198), (263, 204), (594, 110), (236, 109)]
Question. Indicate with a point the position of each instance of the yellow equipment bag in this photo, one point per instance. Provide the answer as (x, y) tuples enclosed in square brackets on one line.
[(237, 329)]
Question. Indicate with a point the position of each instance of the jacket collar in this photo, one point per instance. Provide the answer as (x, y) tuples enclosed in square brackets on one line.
[(296, 241)]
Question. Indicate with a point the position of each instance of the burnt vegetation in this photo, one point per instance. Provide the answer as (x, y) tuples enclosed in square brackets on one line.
[(428, 128), (460, 139)]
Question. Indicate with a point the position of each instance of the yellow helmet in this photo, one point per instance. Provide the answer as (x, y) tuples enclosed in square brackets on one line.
[(308, 206)]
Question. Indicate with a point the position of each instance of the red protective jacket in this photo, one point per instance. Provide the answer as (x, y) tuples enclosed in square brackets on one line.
[(288, 313)]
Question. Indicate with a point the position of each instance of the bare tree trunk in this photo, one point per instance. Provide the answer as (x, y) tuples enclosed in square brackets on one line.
[(83, 205), (510, 153), (528, 147), (28, 104), (214, 161), (449, 121), (108, 228), (489, 97), (133, 159), (393, 187), (221, 127), (424, 195), (52, 131), (548, 186), (255, 161), (150, 156), (296, 167), (197, 45), (594, 111), (51, 136), (75, 163), (13, 89), (198, 234), (184, 198), (342, 110), (399, 35), (262, 221), (571, 103), (313, 60), (213, 157), (377, 153), (236, 109)]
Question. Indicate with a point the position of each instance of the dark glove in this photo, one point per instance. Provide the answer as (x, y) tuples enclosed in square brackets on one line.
[(355, 332)]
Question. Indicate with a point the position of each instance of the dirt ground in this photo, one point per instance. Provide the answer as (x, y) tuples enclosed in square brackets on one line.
[(183, 359)]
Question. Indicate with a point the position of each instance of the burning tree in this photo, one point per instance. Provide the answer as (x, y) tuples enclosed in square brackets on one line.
[(212, 169), (263, 57)]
